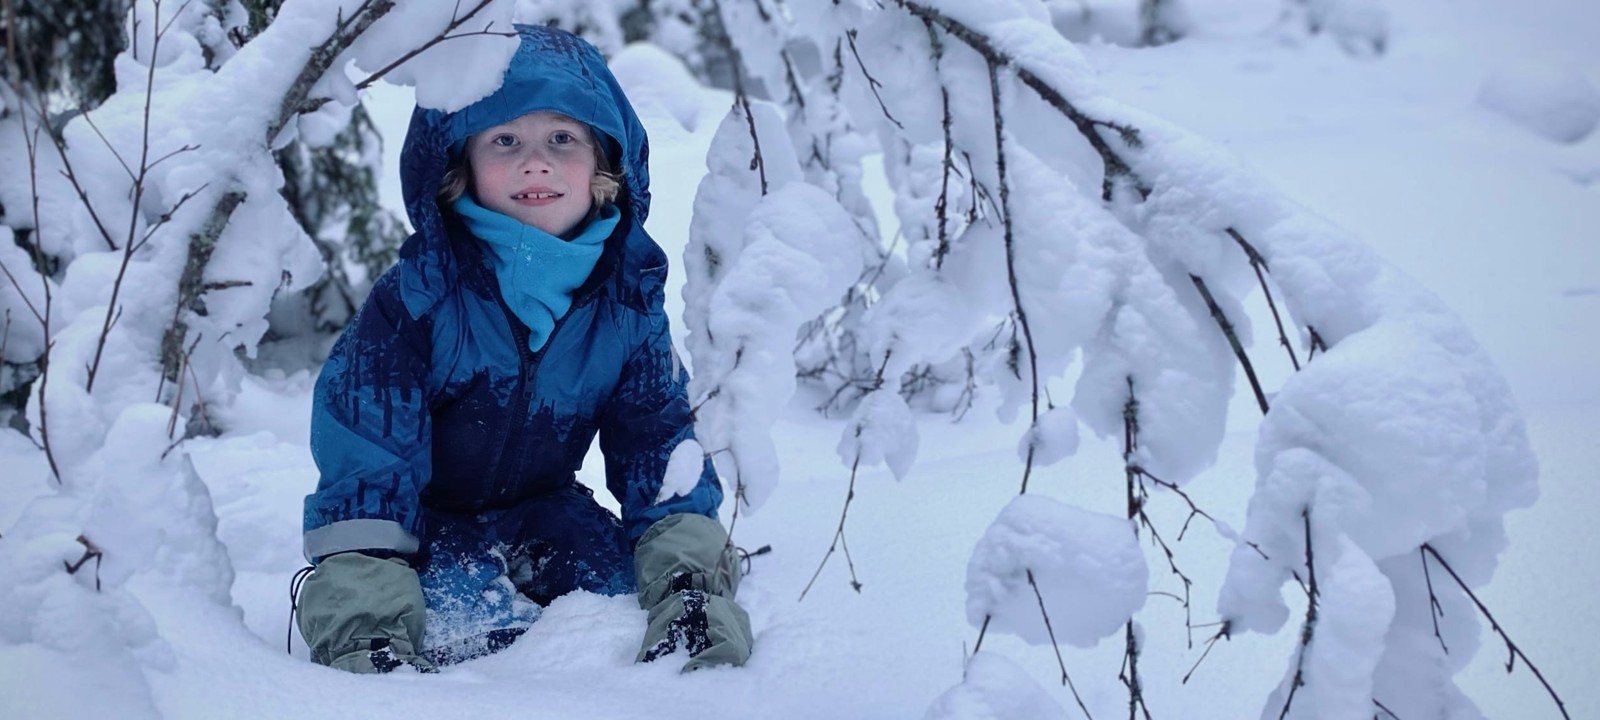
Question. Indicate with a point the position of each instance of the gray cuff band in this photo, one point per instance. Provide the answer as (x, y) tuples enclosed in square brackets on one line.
[(359, 534)]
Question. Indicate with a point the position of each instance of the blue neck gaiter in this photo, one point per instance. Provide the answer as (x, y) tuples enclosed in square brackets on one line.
[(537, 271)]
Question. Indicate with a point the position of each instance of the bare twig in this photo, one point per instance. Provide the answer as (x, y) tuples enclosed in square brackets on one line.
[(941, 207), (982, 632), (1435, 610), (1222, 634), (1129, 674), (1194, 510), (31, 145), (1233, 340), (1513, 652), (1116, 167), (1310, 627), (838, 535), (1317, 344), (90, 552), (376, 76), (1065, 679), (741, 98), (872, 82), (1172, 563), (129, 245), (1011, 258)]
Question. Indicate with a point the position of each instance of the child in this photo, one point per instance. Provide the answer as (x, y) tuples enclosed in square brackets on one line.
[(523, 317)]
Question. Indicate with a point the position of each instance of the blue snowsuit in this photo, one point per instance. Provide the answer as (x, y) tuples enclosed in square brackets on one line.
[(441, 438)]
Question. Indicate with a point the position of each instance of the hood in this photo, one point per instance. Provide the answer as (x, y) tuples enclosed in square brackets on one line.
[(552, 70)]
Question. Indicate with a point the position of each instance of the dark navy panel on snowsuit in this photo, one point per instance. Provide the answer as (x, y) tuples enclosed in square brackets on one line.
[(432, 407)]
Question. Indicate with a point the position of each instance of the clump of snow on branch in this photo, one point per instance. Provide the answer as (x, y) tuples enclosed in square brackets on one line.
[(452, 74), (1085, 568), (657, 83), (759, 266), (1555, 102), (1052, 439), (994, 688), (684, 466), (881, 430)]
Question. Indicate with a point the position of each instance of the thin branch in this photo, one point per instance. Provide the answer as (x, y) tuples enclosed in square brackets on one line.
[(90, 552), (941, 207), (1115, 167), (1309, 628), (838, 535), (1317, 344), (1065, 679), (1435, 610), (1011, 258), (31, 145), (89, 119), (25, 299), (1222, 634), (1259, 264), (376, 76), (1193, 508), (173, 154), (1129, 674), (872, 82), (741, 98), (1511, 648), (1172, 564), (166, 217), (83, 195), (1233, 340)]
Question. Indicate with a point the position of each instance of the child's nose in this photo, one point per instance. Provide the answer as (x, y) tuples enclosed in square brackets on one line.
[(537, 161)]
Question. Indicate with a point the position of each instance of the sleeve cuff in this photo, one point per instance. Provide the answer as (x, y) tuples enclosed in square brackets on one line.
[(358, 534)]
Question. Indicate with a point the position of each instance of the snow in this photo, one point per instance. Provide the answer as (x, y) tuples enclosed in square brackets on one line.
[(1554, 102), (1492, 219), (994, 688), (449, 75), (683, 470), (657, 82), (1042, 559)]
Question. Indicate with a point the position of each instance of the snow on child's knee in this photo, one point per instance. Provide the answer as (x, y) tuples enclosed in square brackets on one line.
[(1555, 102)]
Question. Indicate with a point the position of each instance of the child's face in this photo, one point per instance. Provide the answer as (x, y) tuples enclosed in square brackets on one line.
[(536, 168)]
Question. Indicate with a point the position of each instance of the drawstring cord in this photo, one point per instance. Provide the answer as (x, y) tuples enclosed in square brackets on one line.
[(294, 604), (745, 555)]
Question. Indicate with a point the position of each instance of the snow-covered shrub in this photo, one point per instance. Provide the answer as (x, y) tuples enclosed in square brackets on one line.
[(1054, 233), (154, 238)]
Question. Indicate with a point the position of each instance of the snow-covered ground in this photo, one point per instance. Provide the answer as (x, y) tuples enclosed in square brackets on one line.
[(1499, 221)]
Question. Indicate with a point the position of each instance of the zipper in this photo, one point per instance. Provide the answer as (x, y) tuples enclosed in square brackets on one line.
[(528, 365), (514, 447)]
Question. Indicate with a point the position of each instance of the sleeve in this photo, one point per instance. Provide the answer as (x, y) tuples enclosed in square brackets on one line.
[(647, 417), (371, 433)]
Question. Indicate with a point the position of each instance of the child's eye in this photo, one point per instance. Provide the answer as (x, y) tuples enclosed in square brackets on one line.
[(562, 137), (504, 140)]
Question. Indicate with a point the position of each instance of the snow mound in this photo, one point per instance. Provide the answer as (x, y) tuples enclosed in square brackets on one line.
[(658, 83), (1085, 568), (1556, 102), (994, 688)]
